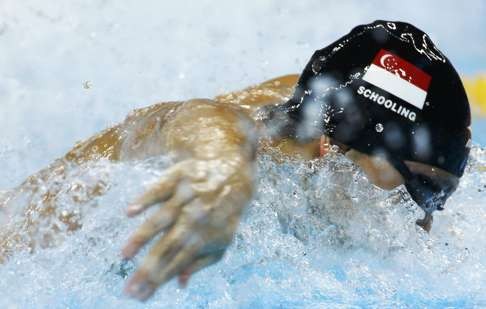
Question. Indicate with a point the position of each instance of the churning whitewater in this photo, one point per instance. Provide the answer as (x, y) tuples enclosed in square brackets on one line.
[(317, 234)]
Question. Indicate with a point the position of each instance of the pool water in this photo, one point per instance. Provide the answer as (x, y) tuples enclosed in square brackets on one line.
[(479, 131), (316, 235)]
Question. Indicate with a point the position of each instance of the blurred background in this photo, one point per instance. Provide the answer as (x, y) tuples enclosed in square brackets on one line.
[(71, 68)]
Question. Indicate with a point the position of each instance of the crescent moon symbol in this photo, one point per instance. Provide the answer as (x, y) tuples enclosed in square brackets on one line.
[(383, 58)]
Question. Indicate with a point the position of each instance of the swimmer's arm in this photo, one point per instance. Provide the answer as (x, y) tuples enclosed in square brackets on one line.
[(273, 92), (108, 143), (203, 195)]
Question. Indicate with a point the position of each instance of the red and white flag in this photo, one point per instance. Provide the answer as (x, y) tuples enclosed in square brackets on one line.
[(398, 77)]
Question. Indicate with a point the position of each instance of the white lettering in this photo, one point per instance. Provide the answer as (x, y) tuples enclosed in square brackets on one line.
[(405, 112), (387, 103), (412, 116), (374, 96)]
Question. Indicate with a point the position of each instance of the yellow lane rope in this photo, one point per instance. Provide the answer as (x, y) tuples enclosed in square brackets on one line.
[(476, 92)]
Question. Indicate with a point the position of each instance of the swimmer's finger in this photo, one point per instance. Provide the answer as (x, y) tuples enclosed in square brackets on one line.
[(200, 263), (176, 265), (159, 221), (159, 192), (155, 224), (157, 270), (138, 286)]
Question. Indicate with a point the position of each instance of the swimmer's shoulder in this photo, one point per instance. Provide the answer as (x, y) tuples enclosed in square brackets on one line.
[(157, 110), (274, 91)]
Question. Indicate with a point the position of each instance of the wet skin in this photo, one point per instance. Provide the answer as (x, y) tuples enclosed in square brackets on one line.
[(201, 197)]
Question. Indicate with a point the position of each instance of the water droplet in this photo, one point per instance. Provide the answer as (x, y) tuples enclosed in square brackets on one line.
[(334, 148), (379, 127), (87, 84), (441, 160), (316, 66)]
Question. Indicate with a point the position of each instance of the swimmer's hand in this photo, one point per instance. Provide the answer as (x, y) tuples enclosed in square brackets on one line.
[(202, 201)]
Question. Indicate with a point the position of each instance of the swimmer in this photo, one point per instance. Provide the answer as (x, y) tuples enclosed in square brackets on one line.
[(383, 95)]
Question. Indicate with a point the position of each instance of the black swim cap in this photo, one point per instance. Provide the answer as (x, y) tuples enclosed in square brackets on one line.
[(385, 89)]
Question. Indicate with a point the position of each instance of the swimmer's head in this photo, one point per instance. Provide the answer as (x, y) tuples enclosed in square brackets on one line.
[(385, 91)]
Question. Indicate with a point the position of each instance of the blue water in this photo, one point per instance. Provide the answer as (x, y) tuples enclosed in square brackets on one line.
[(479, 131)]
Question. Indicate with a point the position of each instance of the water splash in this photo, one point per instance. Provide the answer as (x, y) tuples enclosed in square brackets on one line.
[(318, 234)]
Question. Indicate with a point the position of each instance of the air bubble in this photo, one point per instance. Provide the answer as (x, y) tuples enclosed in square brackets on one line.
[(379, 127)]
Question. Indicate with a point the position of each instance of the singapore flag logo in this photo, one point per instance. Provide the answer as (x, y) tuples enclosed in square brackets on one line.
[(398, 77)]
